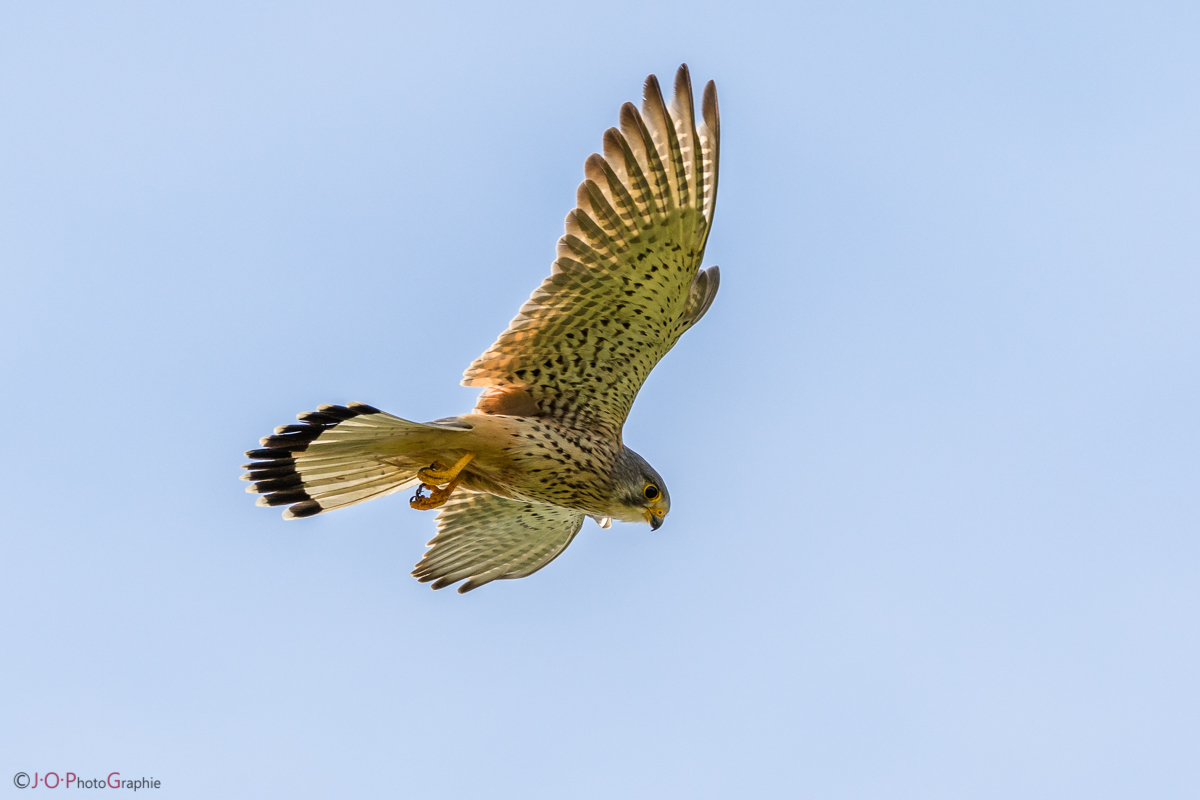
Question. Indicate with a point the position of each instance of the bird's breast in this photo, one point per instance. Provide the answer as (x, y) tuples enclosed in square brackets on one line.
[(536, 459)]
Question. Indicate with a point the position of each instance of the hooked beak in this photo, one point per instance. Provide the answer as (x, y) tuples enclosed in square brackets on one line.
[(655, 518)]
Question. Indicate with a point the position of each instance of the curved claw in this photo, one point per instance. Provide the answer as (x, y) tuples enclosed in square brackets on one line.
[(437, 497)]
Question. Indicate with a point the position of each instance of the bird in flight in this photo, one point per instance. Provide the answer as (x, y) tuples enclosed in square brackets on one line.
[(513, 481)]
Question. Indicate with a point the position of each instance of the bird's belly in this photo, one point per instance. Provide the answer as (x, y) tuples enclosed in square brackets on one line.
[(531, 459)]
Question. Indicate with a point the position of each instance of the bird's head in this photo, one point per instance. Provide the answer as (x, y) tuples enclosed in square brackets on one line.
[(641, 494)]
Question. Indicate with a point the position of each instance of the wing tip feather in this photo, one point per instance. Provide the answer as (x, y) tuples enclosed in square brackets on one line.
[(683, 92), (709, 109)]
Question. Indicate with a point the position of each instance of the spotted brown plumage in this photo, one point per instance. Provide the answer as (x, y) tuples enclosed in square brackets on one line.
[(542, 450), (626, 283)]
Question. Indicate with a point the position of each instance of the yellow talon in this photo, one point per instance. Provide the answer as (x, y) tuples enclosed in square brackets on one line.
[(435, 474), (436, 496)]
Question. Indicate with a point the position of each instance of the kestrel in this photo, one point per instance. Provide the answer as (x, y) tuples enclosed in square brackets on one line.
[(514, 480)]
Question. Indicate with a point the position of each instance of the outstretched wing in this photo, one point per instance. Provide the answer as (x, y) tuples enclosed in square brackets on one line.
[(626, 283), (483, 538)]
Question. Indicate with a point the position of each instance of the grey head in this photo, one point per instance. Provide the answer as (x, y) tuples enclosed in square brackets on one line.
[(640, 495)]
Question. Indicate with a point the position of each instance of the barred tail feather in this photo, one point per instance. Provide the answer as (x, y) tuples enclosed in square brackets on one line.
[(340, 456)]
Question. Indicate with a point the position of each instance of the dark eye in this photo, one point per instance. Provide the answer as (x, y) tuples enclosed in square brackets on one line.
[(651, 492)]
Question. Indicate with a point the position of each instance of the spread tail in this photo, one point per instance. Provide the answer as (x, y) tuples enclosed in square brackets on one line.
[(342, 455)]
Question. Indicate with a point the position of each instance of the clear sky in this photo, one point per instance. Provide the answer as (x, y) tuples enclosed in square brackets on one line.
[(934, 453)]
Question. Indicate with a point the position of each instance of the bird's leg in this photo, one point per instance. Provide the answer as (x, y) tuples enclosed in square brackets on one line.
[(436, 473)]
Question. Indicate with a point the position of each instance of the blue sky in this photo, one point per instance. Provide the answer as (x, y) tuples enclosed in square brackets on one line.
[(932, 454)]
